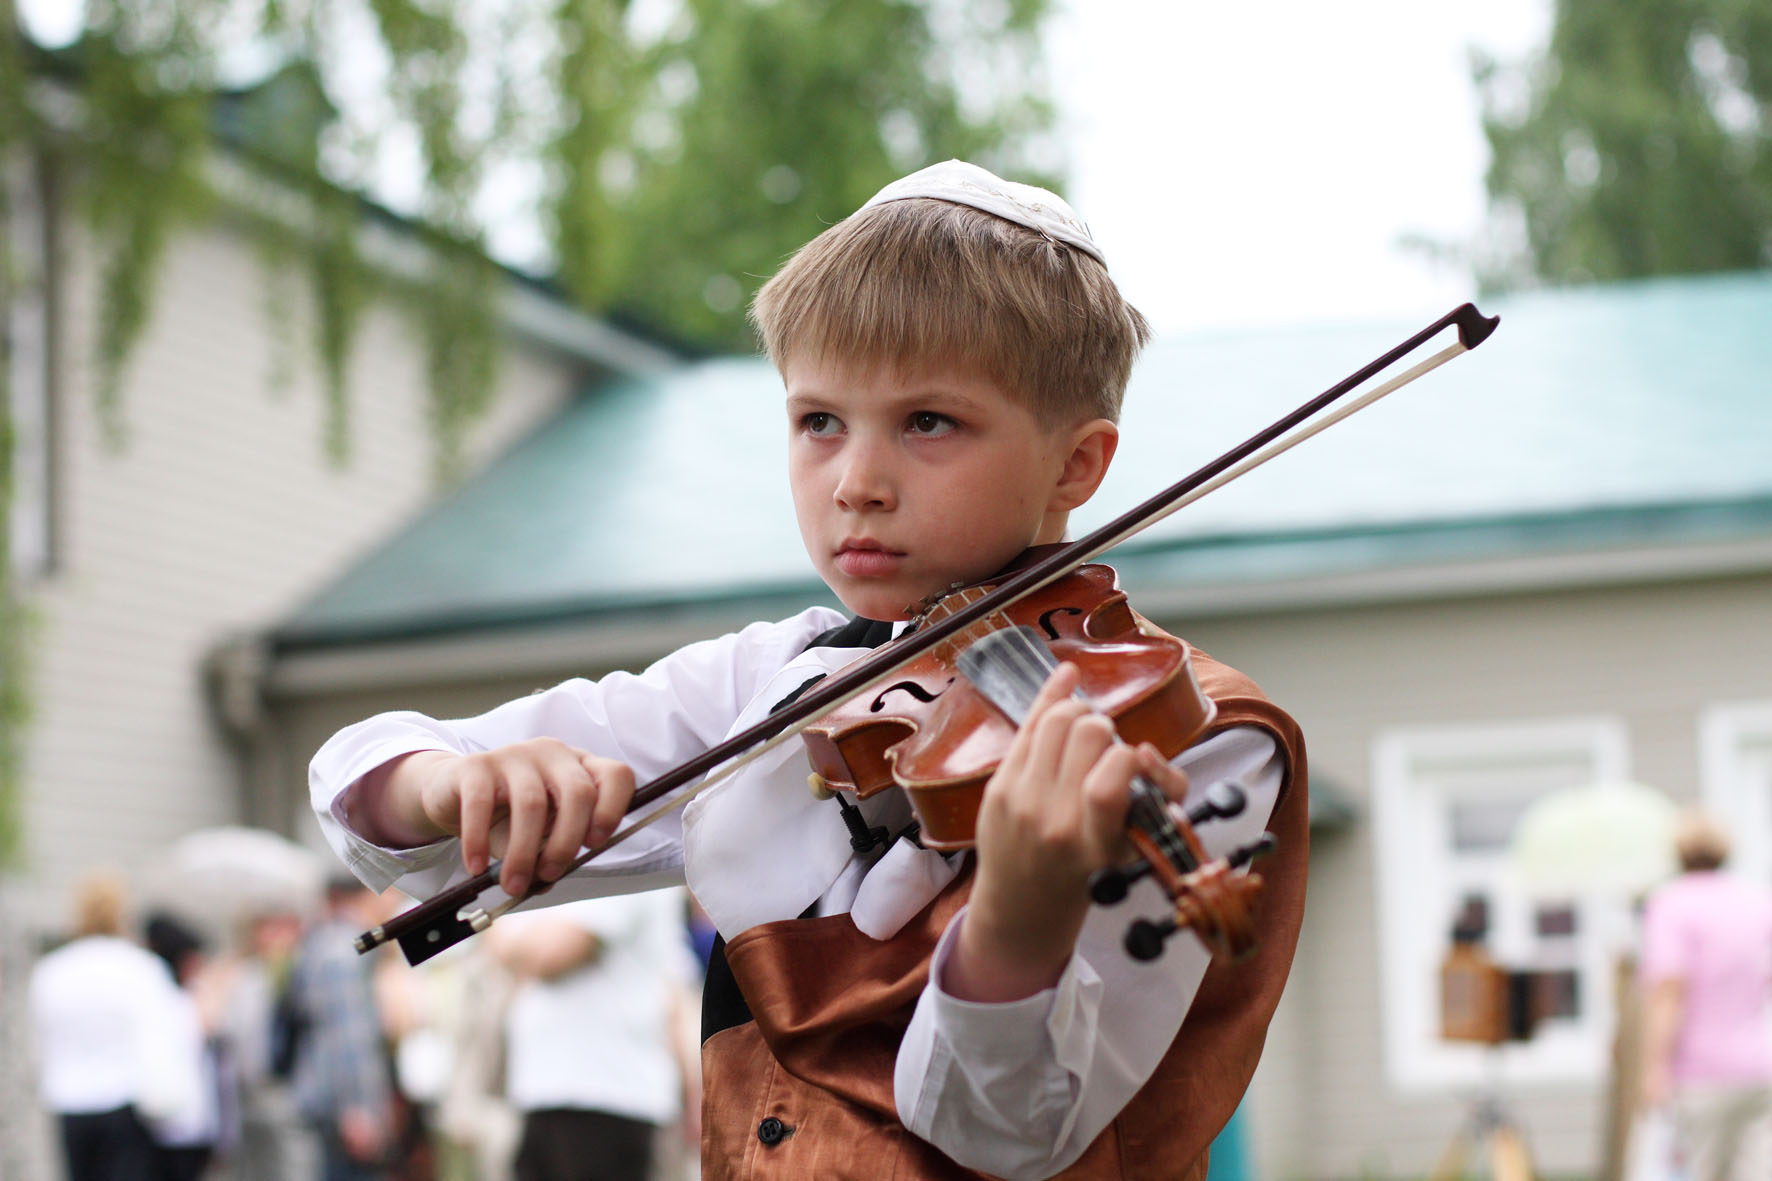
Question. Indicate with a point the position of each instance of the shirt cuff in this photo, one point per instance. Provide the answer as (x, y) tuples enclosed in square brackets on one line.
[(997, 1086), (1065, 1013), (334, 774), (379, 867)]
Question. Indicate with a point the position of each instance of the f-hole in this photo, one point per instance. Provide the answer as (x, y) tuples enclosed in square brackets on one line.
[(1046, 619), (911, 687)]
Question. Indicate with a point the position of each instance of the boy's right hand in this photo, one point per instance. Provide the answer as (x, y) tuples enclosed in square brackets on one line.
[(533, 804)]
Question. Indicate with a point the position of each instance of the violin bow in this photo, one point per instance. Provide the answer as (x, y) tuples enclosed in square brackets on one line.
[(448, 917)]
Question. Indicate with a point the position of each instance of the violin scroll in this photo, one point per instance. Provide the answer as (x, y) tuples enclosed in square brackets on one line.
[(1213, 901), (1221, 801)]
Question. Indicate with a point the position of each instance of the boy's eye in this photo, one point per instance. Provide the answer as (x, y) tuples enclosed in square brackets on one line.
[(927, 422), (820, 423)]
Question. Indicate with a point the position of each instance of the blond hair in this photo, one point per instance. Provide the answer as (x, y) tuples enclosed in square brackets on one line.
[(101, 902), (919, 282), (1700, 842)]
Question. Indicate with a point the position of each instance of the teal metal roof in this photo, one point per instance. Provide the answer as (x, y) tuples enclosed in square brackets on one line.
[(1594, 414)]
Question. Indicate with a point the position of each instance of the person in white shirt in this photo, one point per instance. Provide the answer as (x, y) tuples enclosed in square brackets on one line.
[(954, 357), (107, 1053), (591, 1056), (189, 1139)]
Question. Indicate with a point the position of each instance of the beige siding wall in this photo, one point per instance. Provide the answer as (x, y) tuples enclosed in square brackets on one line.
[(219, 514), (1653, 656)]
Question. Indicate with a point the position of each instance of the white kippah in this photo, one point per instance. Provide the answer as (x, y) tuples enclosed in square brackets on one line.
[(968, 184)]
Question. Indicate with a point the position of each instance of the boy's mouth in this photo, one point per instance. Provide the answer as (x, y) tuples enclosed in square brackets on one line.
[(866, 559)]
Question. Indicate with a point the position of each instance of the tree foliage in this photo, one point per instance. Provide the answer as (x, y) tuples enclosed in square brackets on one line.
[(684, 147), (744, 129), (1638, 143)]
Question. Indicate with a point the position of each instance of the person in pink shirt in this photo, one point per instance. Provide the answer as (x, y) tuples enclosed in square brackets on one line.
[(1707, 965)]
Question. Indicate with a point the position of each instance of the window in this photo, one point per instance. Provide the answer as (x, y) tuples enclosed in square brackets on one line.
[(1446, 802), (1736, 772)]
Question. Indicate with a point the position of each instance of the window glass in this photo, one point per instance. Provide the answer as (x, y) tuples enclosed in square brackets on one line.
[(1447, 804)]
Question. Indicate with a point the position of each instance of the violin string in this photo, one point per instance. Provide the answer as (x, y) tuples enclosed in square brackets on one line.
[(1032, 663)]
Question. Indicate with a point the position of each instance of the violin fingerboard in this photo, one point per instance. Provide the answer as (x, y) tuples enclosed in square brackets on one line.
[(1008, 666)]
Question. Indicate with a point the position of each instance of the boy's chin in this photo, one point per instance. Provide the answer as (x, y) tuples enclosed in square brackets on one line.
[(888, 601), (875, 606)]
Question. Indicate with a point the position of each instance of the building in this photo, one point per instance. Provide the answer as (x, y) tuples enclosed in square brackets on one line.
[(219, 512)]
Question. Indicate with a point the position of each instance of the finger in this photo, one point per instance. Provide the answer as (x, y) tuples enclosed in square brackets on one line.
[(574, 794), (1086, 742), (1034, 778), (1106, 799), (529, 803), (1172, 779), (615, 788), (477, 796)]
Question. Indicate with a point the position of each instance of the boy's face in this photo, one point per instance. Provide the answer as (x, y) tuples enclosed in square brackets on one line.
[(908, 482)]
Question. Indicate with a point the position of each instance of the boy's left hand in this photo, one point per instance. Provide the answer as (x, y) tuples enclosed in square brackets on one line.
[(1053, 813)]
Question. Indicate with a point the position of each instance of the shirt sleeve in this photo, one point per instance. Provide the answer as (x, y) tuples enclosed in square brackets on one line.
[(652, 721), (1021, 1089), (1666, 944)]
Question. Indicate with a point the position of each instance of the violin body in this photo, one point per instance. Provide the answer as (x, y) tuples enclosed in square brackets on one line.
[(932, 733)]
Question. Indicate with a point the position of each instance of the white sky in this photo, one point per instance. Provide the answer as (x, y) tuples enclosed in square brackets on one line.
[(1257, 163)]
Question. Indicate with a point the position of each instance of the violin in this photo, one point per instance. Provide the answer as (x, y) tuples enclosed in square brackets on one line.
[(453, 915), (941, 729)]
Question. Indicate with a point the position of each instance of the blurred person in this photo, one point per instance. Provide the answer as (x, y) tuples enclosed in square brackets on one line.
[(702, 934), (1707, 969), (445, 1021), (187, 1139), (475, 1120), (340, 1071), (263, 1030), (593, 1060), (99, 1008), (417, 1052)]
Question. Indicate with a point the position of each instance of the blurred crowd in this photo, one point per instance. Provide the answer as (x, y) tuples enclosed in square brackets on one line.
[(562, 1044)]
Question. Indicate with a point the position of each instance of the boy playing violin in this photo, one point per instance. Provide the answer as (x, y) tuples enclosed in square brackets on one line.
[(954, 356)]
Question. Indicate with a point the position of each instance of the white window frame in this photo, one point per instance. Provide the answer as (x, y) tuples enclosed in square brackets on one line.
[(1735, 780), (1415, 875)]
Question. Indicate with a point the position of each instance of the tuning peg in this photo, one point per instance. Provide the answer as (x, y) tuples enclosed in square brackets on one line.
[(1108, 886), (1220, 801), (1260, 847), (1145, 938)]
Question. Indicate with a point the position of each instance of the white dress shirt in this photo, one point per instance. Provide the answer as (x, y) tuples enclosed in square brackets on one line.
[(599, 1036), (104, 1018), (1017, 1089)]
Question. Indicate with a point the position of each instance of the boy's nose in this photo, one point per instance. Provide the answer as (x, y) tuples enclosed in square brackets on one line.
[(865, 483)]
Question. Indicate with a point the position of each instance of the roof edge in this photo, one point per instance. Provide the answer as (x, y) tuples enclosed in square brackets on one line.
[(1624, 544)]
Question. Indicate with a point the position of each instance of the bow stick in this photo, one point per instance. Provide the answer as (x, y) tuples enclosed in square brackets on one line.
[(445, 920)]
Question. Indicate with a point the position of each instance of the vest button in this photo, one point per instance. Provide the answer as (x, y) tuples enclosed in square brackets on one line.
[(772, 1131)]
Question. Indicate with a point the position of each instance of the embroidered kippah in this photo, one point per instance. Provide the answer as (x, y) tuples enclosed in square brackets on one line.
[(967, 184)]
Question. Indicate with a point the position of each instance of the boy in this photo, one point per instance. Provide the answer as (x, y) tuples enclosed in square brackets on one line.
[(954, 357)]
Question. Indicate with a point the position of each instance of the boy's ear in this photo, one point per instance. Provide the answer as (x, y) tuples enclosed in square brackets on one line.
[(1092, 449)]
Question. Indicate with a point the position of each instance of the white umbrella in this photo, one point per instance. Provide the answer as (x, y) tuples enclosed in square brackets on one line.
[(1612, 838), (221, 875)]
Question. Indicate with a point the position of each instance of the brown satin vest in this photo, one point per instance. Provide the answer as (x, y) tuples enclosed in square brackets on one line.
[(805, 1090)]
